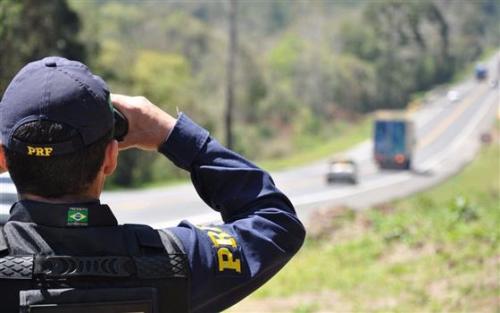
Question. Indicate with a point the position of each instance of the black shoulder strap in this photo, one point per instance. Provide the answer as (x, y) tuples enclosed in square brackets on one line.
[(155, 241), (160, 248), (147, 238), (4, 248)]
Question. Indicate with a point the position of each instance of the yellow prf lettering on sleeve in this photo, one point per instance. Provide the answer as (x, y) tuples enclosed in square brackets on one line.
[(226, 250), (221, 239), (227, 261)]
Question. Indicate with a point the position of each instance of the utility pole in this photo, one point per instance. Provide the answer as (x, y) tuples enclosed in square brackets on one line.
[(230, 72)]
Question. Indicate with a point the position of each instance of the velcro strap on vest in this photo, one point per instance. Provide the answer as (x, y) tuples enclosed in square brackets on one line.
[(152, 267), (74, 266), (56, 267)]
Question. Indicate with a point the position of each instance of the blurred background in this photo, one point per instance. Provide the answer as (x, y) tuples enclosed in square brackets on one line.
[(357, 107), (304, 71)]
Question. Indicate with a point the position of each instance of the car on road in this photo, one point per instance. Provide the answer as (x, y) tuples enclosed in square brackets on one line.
[(342, 171), (453, 96), (494, 83), (8, 195)]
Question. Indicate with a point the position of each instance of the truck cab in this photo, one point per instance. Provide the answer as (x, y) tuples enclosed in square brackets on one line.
[(481, 72)]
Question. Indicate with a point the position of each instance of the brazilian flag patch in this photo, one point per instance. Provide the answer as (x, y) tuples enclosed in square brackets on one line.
[(78, 217)]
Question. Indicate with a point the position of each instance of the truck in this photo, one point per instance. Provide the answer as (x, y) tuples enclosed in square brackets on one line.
[(393, 141), (481, 72)]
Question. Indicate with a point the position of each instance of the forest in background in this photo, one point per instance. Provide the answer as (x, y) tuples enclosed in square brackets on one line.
[(303, 67)]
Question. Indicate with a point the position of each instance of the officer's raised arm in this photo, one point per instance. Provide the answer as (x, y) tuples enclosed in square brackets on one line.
[(261, 231)]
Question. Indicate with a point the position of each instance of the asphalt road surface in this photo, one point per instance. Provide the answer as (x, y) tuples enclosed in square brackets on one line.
[(448, 135)]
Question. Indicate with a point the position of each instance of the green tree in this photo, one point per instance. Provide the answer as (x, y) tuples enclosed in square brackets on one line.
[(32, 29), (164, 78), (354, 84), (284, 57)]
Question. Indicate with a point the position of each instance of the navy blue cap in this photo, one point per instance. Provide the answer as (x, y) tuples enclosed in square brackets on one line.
[(58, 90)]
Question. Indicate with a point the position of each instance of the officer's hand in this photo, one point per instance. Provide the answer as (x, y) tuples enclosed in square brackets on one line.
[(149, 126)]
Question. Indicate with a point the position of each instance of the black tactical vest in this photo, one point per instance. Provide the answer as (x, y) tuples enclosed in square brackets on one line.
[(147, 271)]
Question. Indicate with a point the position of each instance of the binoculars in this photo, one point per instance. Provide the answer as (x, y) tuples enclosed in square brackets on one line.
[(121, 125)]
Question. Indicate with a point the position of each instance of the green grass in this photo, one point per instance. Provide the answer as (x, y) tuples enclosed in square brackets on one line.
[(438, 251), (312, 149)]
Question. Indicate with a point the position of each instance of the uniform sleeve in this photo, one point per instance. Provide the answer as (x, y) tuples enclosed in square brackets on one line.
[(261, 231)]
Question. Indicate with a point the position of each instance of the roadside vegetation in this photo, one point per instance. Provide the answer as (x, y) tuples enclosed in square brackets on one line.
[(312, 148), (437, 251)]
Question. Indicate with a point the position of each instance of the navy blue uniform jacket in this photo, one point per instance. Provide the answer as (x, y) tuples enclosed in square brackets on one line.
[(261, 231)]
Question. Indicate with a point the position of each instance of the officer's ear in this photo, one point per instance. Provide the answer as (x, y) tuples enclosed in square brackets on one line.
[(3, 161), (110, 158)]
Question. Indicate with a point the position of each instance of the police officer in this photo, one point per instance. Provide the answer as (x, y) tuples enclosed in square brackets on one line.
[(62, 250)]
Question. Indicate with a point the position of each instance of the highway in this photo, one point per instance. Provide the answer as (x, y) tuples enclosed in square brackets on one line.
[(448, 138)]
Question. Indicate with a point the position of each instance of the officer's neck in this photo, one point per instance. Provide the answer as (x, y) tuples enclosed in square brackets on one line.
[(90, 195), (63, 199)]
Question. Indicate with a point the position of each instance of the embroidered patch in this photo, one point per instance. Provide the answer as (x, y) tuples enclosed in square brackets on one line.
[(77, 217), (227, 251)]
